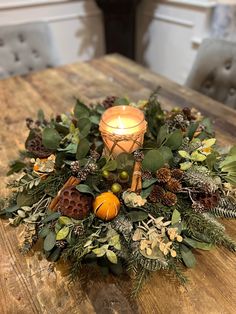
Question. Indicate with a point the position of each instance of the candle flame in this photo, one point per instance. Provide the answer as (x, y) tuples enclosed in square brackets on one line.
[(120, 123)]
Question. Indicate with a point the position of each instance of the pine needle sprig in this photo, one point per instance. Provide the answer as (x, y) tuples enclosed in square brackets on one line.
[(196, 224), (141, 277), (226, 208)]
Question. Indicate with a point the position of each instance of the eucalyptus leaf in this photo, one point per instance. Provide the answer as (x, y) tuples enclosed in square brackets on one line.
[(50, 217), (44, 232), (149, 182), (187, 256), (49, 241), (145, 192), (136, 216), (54, 256), (63, 233), (111, 256), (84, 126), (12, 209), (124, 160), (166, 153), (175, 217), (95, 119), (162, 135), (82, 149), (122, 102), (198, 245), (111, 165), (83, 188), (192, 129), (153, 160), (63, 220), (51, 138), (174, 140), (80, 110)]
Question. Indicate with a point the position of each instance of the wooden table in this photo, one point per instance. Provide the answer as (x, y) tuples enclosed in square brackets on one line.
[(26, 285)]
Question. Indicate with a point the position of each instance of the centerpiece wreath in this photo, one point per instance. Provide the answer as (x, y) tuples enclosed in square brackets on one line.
[(141, 212)]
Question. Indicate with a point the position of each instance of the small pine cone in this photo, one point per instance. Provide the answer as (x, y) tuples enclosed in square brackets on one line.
[(146, 175), (173, 185), (109, 101), (61, 244), (138, 155), (94, 155), (78, 230), (82, 174), (169, 199), (75, 167), (198, 207), (163, 175), (92, 167), (177, 174), (156, 194), (179, 119)]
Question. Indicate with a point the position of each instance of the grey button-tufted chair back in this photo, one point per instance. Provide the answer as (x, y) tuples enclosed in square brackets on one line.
[(214, 71), (25, 48)]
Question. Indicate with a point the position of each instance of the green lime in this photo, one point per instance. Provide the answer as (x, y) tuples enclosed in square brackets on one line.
[(105, 174), (116, 188), (124, 175)]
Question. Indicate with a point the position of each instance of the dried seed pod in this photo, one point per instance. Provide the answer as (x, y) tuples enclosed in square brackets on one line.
[(74, 204)]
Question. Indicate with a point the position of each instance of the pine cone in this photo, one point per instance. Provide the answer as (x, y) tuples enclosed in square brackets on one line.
[(74, 204), (146, 175), (92, 167), (173, 185), (163, 175), (61, 244), (169, 199), (198, 207), (78, 230), (156, 194), (109, 101), (35, 146), (138, 155), (75, 167), (177, 174), (94, 155)]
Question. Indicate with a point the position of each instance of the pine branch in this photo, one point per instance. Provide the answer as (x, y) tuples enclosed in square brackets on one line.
[(139, 280), (197, 224), (225, 209)]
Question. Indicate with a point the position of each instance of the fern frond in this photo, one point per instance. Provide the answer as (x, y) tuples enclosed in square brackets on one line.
[(225, 209)]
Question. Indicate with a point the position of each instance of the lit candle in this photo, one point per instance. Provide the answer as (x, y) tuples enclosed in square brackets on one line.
[(122, 129)]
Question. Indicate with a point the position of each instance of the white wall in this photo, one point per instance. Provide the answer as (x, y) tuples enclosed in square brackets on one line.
[(170, 33), (76, 25)]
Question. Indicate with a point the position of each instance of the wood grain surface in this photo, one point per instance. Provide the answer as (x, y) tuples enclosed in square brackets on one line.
[(26, 285)]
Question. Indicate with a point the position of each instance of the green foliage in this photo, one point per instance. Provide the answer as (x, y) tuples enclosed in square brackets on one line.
[(153, 160), (228, 166), (187, 256), (51, 138), (49, 241), (82, 149), (174, 140), (80, 110)]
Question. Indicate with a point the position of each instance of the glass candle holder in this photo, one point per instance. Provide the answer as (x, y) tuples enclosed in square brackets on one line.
[(122, 129)]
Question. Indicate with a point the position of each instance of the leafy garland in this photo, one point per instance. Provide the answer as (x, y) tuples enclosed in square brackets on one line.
[(187, 181)]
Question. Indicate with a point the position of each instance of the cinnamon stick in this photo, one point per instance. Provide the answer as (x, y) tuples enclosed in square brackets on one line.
[(136, 184), (70, 182)]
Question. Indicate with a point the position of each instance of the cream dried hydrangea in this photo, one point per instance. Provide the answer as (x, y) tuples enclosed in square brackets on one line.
[(132, 199)]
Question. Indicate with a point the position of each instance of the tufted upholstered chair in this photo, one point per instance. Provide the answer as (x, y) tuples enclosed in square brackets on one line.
[(214, 71), (25, 48)]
